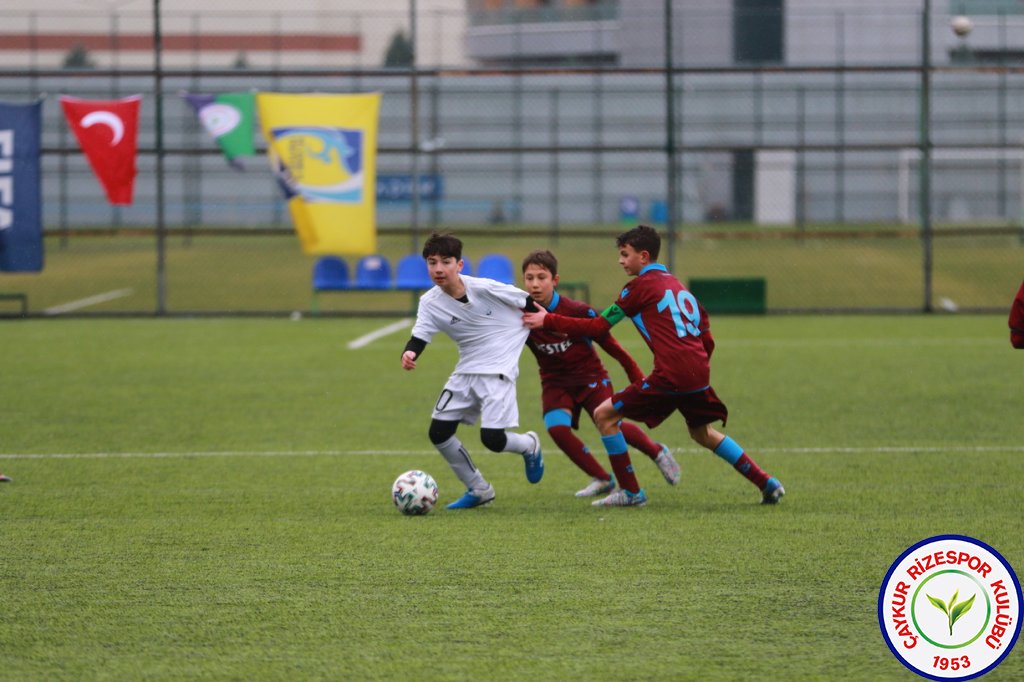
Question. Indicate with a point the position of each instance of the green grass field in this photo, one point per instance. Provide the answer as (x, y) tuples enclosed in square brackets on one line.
[(873, 270), (209, 498)]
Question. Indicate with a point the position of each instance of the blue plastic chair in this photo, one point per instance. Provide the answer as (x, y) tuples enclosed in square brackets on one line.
[(373, 272), (411, 273), (330, 273), (467, 266), (496, 266)]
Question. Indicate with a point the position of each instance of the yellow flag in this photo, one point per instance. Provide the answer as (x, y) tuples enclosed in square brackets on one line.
[(323, 149)]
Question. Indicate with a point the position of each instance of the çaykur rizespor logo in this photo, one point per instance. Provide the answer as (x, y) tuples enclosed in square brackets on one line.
[(950, 607), (320, 164)]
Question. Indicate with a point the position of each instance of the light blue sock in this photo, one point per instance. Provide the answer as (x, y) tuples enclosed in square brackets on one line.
[(615, 445), (729, 450), (618, 455)]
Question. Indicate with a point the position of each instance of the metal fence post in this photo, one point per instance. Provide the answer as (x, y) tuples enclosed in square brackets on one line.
[(414, 127), (161, 231), (670, 138), (555, 169), (925, 178)]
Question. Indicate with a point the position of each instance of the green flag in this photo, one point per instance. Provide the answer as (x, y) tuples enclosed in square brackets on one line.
[(228, 118)]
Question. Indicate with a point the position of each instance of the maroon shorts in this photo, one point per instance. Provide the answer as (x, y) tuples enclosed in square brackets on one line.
[(575, 398), (644, 403)]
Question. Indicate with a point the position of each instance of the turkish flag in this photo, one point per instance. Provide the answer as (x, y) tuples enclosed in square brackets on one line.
[(107, 131)]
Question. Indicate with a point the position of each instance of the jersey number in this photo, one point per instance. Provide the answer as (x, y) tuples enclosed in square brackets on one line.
[(684, 309)]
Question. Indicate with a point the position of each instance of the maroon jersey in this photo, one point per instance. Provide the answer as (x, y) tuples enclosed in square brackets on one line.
[(675, 327), (565, 360)]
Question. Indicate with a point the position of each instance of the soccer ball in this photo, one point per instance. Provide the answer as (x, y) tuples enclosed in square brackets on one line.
[(961, 25), (414, 492)]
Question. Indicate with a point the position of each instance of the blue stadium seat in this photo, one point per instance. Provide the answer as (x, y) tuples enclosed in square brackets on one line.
[(496, 266), (330, 273), (373, 272), (411, 273), (467, 266)]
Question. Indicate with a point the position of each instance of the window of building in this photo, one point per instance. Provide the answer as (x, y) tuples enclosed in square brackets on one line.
[(757, 31)]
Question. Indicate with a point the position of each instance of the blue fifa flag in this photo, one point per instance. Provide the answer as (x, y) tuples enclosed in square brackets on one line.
[(21, 231)]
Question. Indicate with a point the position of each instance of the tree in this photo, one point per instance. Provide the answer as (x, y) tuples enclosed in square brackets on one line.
[(399, 51), (78, 58)]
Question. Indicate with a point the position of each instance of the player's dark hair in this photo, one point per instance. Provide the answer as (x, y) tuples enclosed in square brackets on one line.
[(641, 238), (543, 258), (443, 245)]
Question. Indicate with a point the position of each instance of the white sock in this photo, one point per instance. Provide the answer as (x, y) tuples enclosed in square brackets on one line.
[(459, 460), (518, 442)]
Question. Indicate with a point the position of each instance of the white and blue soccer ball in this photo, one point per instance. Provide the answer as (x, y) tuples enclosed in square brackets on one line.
[(414, 492)]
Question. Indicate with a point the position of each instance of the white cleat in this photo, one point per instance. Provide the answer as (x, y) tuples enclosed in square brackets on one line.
[(597, 487), (622, 498), (668, 465)]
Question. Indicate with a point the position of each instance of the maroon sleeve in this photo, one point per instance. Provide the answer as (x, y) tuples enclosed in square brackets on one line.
[(577, 326), (612, 346), (705, 332), (1017, 319)]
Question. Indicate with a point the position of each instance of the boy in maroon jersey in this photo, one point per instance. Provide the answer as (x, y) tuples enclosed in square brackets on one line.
[(676, 329), (573, 378), (1017, 319)]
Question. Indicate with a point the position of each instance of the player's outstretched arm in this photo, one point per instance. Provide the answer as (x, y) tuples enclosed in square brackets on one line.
[(535, 319), (612, 346), (576, 326)]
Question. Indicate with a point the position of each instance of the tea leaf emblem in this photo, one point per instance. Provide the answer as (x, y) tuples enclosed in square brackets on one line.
[(954, 611)]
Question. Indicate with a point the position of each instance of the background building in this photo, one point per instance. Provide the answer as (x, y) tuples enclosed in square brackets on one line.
[(630, 33), (255, 33)]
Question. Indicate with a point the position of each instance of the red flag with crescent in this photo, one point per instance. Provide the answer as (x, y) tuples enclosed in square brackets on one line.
[(107, 131)]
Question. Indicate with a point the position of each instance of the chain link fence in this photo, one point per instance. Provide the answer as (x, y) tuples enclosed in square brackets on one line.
[(802, 169)]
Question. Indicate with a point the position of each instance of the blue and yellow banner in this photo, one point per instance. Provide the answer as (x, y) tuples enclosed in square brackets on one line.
[(323, 150)]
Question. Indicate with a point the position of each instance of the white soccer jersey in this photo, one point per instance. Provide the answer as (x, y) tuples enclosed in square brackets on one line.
[(488, 329)]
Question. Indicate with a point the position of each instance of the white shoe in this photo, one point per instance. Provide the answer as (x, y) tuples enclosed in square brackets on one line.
[(622, 498), (597, 487), (668, 465)]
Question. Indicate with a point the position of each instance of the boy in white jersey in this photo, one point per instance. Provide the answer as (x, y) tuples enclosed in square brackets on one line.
[(484, 318)]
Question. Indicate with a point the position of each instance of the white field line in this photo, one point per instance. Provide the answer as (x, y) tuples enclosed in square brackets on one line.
[(380, 333), (406, 453), (228, 453), (88, 301)]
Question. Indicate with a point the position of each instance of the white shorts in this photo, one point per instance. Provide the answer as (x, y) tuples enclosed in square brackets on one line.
[(490, 397)]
